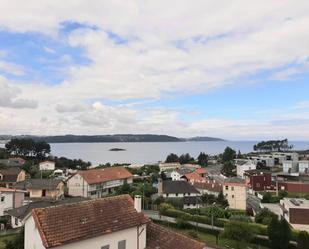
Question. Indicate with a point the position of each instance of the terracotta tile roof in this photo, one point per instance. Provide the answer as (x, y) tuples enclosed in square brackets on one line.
[(209, 185), (68, 223), (159, 237), (105, 174), (200, 171), (194, 177)]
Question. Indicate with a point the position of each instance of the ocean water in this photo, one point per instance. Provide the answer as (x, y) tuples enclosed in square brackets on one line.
[(141, 153)]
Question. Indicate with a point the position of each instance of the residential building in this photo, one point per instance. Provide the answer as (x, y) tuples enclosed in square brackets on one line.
[(96, 183), (258, 180), (104, 223), (176, 174), (303, 167), (18, 214), (243, 165), (296, 212), (10, 198), (211, 187), (266, 159), (294, 187), (178, 189), (168, 166), (290, 166), (192, 202), (201, 172), (193, 177), (47, 165), (13, 162), (235, 191), (42, 188), (10, 176), (280, 157)]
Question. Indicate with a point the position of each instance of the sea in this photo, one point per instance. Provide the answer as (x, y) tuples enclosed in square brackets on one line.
[(147, 153)]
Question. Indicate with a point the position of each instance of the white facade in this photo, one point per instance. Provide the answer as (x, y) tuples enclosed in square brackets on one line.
[(47, 165), (175, 176), (303, 167), (241, 168), (130, 236), (290, 167), (179, 195), (236, 195), (10, 200), (268, 160), (79, 187)]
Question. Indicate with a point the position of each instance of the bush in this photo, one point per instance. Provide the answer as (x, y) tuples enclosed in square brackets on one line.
[(303, 240), (239, 231), (163, 207), (182, 222), (242, 218), (264, 216)]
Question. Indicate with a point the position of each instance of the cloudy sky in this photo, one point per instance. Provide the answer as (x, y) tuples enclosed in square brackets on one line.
[(232, 69)]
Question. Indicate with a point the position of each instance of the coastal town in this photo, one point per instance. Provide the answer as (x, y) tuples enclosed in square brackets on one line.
[(213, 201)]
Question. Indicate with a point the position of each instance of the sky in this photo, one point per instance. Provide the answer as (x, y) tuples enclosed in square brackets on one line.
[(237, 70)]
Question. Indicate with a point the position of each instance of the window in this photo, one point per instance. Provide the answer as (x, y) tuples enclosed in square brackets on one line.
[(105, 247), (188, 193), (16, 222), (2, 198), (166, 195), (176, 194), (226, 187), (232, 196), (122, 244), (232, 188)]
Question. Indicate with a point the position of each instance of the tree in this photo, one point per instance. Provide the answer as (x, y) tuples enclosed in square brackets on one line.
[(172, 158), (279, 233), (222, 201), (273, 145), (202, 159), (264, 216), (239, 231), (185, 158), (303, 240), (228, 155), (4, 154), (228, 169)]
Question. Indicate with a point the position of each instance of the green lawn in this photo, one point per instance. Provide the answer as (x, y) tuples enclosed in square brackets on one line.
[(6, 237)]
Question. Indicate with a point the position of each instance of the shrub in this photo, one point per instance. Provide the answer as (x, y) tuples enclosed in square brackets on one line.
[(264, 216), (164, 206), (303, 240)]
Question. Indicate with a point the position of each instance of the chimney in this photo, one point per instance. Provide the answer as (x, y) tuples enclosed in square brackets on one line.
[(160, 186), (138, 203)]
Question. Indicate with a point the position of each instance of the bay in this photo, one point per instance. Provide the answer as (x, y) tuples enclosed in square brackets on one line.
[(146, 153)]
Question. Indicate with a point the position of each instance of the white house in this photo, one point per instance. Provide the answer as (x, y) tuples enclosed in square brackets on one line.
[(104, 223), (176, 189), (10, 198), (290, 166), (303, 167), (175, 176), (47, 165), (244, 165), (96, 183), (267, 160)]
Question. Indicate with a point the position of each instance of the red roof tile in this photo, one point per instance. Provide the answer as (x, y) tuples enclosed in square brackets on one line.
[(200, 171), (93, 176), (159, 237), (69, 223), (194, 177)]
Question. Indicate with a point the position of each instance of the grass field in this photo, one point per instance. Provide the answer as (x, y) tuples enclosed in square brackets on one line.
[(6, 237)]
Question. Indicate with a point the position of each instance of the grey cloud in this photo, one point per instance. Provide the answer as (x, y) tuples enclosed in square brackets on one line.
[(9, 97), (70, 108)]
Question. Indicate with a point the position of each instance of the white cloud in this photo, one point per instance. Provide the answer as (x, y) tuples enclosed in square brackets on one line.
[(10, 68), (219, 43)]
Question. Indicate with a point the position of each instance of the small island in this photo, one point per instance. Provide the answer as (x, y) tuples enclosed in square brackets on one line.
[(116, 149)]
